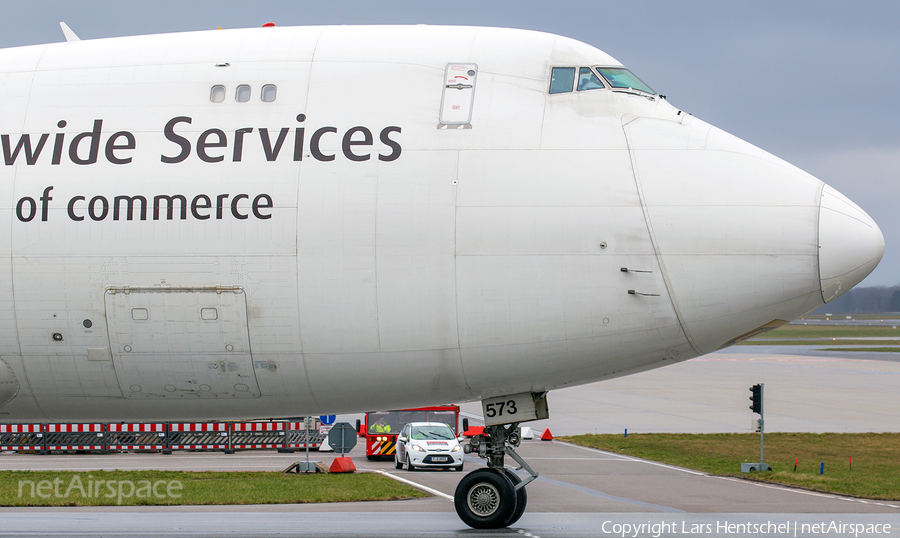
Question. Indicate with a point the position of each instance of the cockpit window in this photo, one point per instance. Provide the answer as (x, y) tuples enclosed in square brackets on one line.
[(562, 79), (619, 77), (587, 80)]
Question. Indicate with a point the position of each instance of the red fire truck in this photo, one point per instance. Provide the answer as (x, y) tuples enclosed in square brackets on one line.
[(382, 427)]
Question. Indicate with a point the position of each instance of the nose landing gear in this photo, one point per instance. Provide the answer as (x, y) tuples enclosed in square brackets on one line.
[(495, 497)]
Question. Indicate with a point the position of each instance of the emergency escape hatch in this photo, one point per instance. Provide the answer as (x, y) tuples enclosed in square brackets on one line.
[(181, 343), (459, 94)]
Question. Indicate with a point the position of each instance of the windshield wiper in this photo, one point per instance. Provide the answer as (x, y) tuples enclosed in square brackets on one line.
[(634, 91)]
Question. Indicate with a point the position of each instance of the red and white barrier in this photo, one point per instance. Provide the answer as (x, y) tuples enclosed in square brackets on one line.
[(21, 437), (227, 436), (137, 436), (74, 428), (137, 428), (200, 427), (75, 437), (199, 436), (298, 436), (20, 428), (249, 435), (259, 426)]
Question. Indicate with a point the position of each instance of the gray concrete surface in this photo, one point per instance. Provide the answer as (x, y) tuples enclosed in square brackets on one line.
[(806, 391), (265, 522)]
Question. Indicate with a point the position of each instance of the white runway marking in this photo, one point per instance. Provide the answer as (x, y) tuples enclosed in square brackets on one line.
[(414, 484)]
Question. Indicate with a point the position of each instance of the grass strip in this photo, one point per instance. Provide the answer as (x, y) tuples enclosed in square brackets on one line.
[(171, 488), (874, 349), (843, 316), (830, 331), (829, 342), (875, 470)]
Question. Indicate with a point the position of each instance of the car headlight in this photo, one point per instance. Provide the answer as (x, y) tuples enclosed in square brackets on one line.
[(457, 448), (417, 448)]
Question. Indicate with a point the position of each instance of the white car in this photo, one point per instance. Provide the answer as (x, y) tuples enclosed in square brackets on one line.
[(422, 445)]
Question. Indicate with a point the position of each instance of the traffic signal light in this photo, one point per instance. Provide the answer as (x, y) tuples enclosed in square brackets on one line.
[(756, 399)]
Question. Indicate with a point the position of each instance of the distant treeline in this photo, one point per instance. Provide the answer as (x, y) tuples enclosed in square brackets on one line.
[(865, 301)]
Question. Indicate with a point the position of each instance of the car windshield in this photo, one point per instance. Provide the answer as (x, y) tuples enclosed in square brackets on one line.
[(431, 431), (619, 77), (394, 421)]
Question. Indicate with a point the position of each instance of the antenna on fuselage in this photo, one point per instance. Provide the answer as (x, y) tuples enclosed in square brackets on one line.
[(70, 35)]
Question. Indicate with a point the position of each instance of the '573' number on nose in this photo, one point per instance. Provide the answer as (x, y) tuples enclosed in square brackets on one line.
[(498, 408)]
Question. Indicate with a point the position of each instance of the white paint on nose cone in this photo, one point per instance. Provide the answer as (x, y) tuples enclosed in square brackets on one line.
[(850, 244)]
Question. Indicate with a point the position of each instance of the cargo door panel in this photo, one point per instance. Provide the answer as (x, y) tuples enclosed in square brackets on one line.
[(181, 342)]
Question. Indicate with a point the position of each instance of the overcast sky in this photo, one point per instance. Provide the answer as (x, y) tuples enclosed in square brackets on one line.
[(814, 82)]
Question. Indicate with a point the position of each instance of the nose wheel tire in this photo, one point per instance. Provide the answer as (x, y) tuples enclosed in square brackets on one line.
[(486, 499)]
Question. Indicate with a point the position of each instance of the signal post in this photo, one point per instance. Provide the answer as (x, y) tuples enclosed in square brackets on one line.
[(759, 425)]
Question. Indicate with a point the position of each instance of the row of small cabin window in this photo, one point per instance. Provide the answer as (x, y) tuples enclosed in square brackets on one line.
[(242, 93)]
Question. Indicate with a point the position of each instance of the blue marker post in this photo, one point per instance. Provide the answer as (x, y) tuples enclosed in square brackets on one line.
[(626, 432), (822, 468)]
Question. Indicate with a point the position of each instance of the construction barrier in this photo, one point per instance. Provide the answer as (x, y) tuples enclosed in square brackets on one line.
[(250, 435), (75, 437), (137, 437), (199, 436), (21, 437), (299, 437), (225, 436)]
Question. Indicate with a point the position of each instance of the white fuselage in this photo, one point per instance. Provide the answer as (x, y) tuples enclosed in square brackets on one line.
[(339, 248)]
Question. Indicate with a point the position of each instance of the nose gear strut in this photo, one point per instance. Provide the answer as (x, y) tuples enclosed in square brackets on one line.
[(498, 441)]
